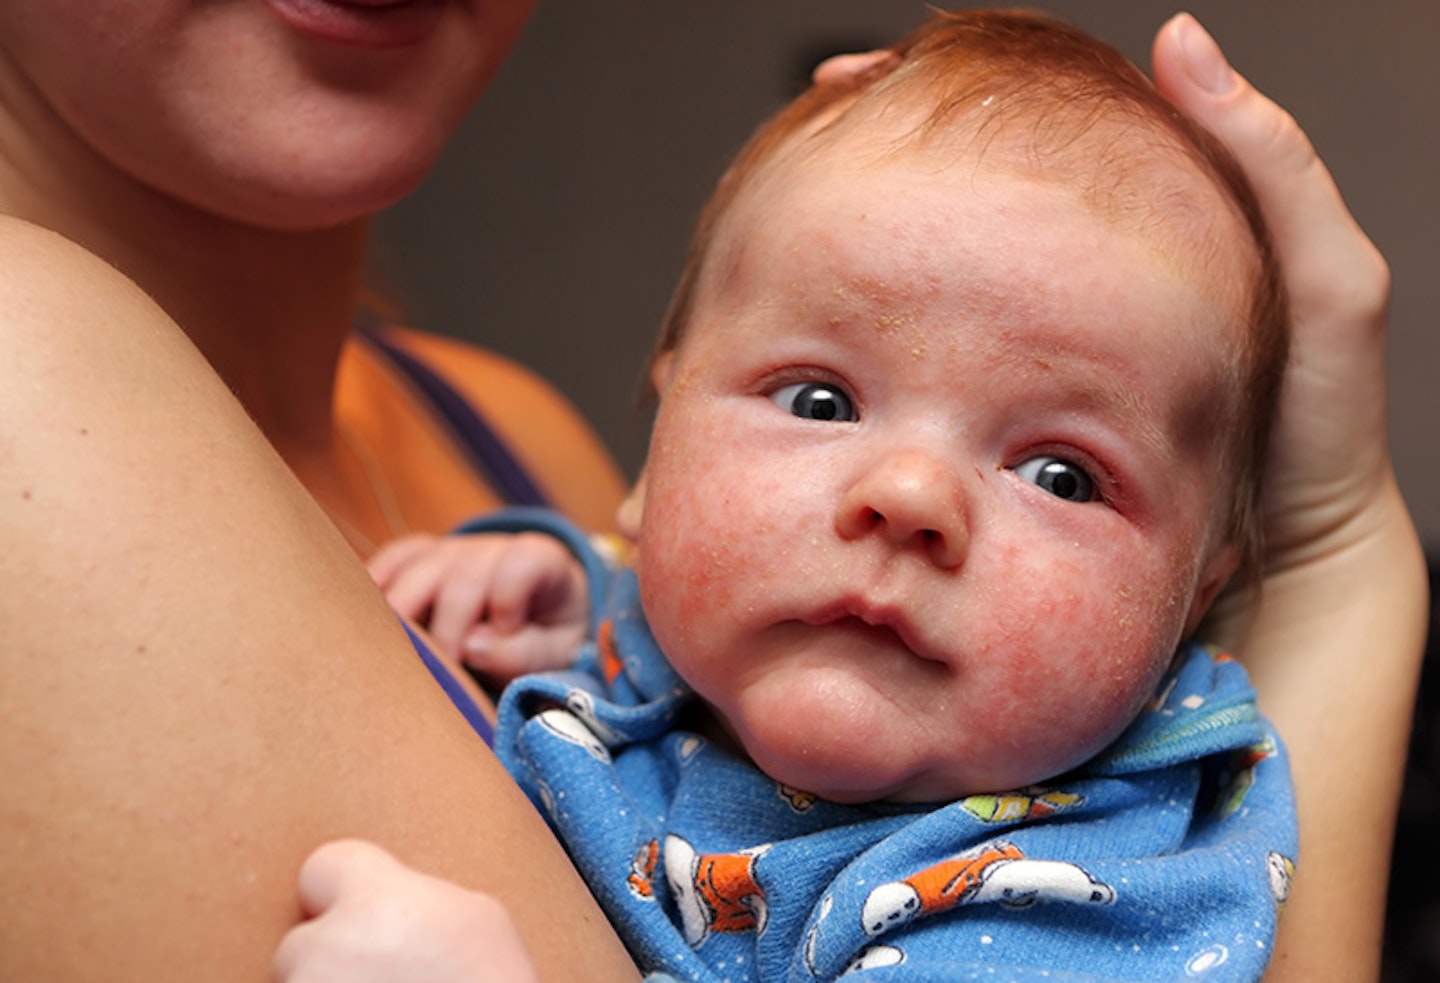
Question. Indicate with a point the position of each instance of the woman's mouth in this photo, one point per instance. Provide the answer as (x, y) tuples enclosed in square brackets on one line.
[(362, 23)]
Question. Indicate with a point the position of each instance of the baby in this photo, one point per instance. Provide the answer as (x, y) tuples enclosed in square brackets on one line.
[(962, 406)]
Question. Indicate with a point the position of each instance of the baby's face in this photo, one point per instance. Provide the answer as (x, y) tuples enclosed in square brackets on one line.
[(935, 487)]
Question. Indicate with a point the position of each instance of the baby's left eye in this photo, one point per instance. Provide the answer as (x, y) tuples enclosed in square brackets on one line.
[(1061, 478), (815, 401)]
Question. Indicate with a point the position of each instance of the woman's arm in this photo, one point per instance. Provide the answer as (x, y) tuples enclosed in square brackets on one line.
[(199, 684), (1334, 647)]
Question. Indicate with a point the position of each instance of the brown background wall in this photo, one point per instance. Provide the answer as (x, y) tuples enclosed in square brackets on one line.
[(554, 228)]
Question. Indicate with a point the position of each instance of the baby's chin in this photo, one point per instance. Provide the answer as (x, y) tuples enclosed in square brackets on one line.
[(834, 735), (850, 776), (916, 789), (847, 787)]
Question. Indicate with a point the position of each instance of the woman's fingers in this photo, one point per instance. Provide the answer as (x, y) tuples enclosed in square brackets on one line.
[(837, 68), (1329, 454), (1327, 258)]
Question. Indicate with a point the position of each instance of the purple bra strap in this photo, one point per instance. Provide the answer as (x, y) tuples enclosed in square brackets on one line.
[(483, 447)]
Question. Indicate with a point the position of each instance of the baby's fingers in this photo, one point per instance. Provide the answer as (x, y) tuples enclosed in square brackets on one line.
[(371, 919), (533, 648), (413, 575), (391, 558), (340, 869), (321, 949), (537, 581)]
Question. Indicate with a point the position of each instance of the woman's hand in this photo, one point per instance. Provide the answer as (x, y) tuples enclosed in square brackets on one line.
[(1334, 642), (371, 919), (1329, 459)]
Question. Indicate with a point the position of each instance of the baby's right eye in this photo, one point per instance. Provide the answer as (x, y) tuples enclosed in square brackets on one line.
[(815, 401)]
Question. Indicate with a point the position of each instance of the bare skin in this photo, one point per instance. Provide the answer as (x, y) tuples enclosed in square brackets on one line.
[(251, 232), (200, 685), (311, 722), (1345, 573), (1345, 576), (200, 682)]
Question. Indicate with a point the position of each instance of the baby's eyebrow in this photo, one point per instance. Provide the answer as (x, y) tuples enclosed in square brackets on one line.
[(1087, 383)]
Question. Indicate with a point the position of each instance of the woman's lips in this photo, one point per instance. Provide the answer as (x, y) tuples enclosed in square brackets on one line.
[(362, 23)]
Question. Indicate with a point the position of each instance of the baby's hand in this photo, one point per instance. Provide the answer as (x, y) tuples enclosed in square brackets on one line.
[(370, 919), (504, 604)]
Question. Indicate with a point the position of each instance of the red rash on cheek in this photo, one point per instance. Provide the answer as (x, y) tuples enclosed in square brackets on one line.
[(690, 561), (1065, 646)]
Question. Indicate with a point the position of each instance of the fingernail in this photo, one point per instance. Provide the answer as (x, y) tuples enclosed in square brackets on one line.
[(1204, 61)]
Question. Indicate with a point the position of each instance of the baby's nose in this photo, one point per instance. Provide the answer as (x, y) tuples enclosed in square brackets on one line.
[(913, 499)]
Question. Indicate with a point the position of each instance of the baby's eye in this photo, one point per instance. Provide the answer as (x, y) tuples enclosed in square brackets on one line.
[(1059, 477), (815, 401)]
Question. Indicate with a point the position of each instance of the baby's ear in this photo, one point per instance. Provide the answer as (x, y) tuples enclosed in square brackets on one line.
[(660, 372), (632, 510), (1215, 576)]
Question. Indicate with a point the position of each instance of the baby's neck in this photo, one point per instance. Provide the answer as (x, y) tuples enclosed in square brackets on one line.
[(699, 718)]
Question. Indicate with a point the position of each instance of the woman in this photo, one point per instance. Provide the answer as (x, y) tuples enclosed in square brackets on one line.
[(225, 157), (199, 684)]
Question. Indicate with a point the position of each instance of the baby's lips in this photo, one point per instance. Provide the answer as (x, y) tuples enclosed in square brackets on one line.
[(883, 617)]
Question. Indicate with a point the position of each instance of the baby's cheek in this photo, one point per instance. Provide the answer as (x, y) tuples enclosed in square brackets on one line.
[(696, 552), (1077, 654), (680, 575)]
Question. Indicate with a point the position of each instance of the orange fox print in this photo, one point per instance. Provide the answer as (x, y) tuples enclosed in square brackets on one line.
[(995, 871), (715, 892)]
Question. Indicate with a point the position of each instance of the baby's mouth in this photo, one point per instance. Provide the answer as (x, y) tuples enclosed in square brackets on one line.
[(883, 629)]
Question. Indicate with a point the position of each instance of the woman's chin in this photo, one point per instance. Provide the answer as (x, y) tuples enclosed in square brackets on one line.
[(319, 203)]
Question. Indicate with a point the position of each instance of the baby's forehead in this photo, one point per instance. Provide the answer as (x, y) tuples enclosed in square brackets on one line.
[(1165, 211), (1123, 168), (1123, 162)]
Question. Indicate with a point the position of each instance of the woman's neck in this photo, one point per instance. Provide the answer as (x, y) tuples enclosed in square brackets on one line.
[(268, 309)]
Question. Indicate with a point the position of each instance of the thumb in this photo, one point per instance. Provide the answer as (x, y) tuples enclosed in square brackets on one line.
[(1315, 234)]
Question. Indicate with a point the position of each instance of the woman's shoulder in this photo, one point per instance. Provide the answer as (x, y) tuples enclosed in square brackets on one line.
[(43, 263), (51, 284), (17, 233)]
